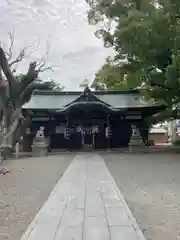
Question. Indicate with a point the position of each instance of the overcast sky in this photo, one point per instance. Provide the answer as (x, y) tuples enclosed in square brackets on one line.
[(74, 49)]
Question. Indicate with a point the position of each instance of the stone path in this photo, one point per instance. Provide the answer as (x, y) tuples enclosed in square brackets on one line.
[(85, 204)]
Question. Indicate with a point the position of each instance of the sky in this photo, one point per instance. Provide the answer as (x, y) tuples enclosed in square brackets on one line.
[(62, 27)]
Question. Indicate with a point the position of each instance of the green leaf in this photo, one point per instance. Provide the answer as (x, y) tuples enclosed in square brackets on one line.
[(146, 34)]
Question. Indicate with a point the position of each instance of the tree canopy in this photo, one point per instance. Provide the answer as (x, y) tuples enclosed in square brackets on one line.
[(145, 35), (111, 76)]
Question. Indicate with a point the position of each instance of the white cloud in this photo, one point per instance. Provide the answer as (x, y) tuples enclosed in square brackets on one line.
[(62, 23)]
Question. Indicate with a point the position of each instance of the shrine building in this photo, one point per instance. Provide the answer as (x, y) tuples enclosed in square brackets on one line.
[(87, 119)]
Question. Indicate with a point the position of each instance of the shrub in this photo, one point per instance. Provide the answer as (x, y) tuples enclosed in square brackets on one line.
[(176, 142)]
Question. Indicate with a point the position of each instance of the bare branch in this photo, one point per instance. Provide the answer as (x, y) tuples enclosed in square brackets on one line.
[(9, 53), (41, 68), (29, 77), (47, 49), (41, 65), (32, 74), (34, 47), (46, 69), (23, 52), (42, 62), (20, 57)]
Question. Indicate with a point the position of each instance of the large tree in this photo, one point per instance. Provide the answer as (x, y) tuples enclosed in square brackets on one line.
[(145, 36), (111, 76), (15, 90)]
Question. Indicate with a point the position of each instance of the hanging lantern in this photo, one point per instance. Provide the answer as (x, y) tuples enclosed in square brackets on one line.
[(108, 132), (67, 129), (67, 133)]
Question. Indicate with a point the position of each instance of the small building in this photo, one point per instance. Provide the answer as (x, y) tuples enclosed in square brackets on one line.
[(87, 119), (158, 135)]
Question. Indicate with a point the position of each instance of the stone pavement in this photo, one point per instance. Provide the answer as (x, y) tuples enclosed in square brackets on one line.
[(86, 204)]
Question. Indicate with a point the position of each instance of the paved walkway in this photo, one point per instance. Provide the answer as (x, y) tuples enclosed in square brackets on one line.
[(85, 205)]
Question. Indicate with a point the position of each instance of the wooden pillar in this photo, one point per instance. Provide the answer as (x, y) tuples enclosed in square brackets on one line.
[(67, 133)]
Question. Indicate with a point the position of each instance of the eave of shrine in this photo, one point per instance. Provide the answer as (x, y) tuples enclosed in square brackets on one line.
[(107, 101)]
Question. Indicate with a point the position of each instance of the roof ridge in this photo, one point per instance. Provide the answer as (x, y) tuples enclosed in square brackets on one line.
[(107, 92)]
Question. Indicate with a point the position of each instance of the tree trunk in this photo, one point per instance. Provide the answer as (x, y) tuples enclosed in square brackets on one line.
[(12, 93), (10, 131), (21, 129)]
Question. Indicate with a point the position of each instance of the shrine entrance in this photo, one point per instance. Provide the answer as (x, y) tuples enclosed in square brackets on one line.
[(88, 136)]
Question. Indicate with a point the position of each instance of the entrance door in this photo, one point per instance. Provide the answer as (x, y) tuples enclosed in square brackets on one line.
[(87, 138)]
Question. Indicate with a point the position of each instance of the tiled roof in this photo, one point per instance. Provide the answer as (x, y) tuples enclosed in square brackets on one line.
[(114, 99)]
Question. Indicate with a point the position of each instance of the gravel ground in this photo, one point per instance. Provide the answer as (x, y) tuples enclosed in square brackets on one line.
[(151, 186), (24, 190)]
